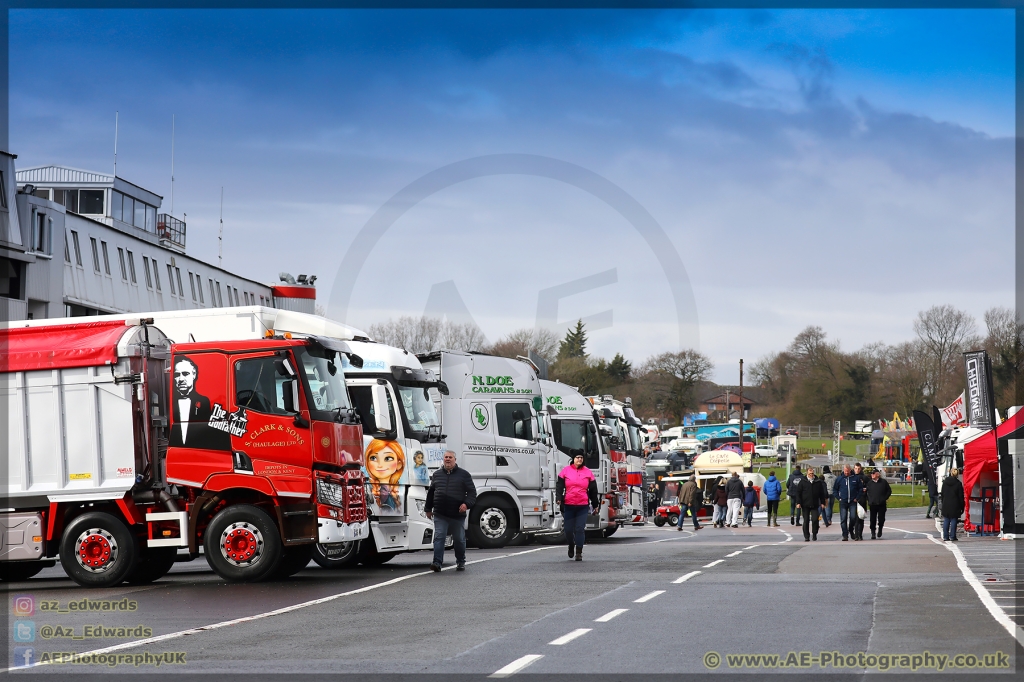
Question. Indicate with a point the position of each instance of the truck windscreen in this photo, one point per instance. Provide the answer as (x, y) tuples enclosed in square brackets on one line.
[(419, 411), (326, 381), (573, 437)]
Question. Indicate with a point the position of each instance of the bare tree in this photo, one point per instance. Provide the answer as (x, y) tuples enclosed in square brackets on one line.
[(673, 378), (543, 342), (424, 334), (1005, 343), (945, 333)]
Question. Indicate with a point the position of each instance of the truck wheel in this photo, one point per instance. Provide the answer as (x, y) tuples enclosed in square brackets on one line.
[(98, 550), (610, 531), (492, 524), (14, 571), (242, 544), (659, 521), (152, 565), (378, 558), (673, 519), (295, 559), (339, 555)]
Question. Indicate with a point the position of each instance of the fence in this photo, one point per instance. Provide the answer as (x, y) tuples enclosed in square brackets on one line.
[(808, 431)]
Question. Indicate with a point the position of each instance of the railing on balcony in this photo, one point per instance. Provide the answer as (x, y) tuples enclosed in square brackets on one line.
[(171, 230)]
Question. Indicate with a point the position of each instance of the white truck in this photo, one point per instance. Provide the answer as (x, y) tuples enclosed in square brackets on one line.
[(494, 420), (575, 429), (627, 452)]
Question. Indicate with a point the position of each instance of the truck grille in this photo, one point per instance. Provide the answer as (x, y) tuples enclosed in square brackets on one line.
[(330, 493), (343, 491)]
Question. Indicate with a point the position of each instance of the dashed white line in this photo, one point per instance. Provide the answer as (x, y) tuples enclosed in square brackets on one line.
[(684, 578), (517, 665), (649, 596), (713, 563), (566, 638), (611, 614), (751, 547), (736, 553)]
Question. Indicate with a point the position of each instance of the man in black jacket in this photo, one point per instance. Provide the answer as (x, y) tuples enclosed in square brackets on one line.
[(791, 485), (811, 496), (449, 497), (734, 495), (952, 504), (878, 492), (857, 527)]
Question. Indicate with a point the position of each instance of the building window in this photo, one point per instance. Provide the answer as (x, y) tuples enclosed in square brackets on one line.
[(245, 295), (177, 276), (156, 274), (140, 215), (68, 198), (145, 266), (78, 249), (116, 199), (170, 279), (90, 201), (237, 302), (213, 294), (199, 286), (106, 258), (192, 284), (95, 254), (261, 300), (67, 254), (131, 267), (3, 191), (129, 209), (10, 278), (120, 256), (220, 297), (41, 238), (150, 219)]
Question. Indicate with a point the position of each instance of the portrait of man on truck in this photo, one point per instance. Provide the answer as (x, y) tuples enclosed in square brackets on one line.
[(192, 411), (385, 463)]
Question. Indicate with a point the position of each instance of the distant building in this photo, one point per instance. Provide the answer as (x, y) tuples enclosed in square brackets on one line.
[(728, 403), (76, 242)]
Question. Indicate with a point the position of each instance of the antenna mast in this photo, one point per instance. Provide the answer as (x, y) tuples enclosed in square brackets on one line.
[(116, 113), (220, 234), (172, 164)]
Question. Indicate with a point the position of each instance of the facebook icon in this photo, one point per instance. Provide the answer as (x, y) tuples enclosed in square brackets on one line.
[(24, 656)]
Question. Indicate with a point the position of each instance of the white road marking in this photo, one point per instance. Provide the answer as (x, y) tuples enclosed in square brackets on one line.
[(713, 563), (516, 665), (684, 578), (654, 542), (565, 639), (751, 547), (611, 614), (275, 612), (736, 553), (648, 597), (990, 604)]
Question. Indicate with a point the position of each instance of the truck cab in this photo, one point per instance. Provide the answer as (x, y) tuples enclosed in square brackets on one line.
[(494, 420), (626, 444)]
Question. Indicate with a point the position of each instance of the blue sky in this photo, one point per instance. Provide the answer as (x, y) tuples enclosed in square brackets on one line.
[(798, 160)]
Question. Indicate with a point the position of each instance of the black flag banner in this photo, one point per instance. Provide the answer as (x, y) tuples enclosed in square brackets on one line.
[(978, 398), (929, 443)]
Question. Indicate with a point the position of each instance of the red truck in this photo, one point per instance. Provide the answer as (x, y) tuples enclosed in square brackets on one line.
[(123, 448)]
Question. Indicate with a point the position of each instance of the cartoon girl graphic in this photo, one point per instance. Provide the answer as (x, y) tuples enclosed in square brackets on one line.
[(419, 469), (385, 462)]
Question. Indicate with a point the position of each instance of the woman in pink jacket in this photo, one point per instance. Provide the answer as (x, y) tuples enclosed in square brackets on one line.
[(576, 491)]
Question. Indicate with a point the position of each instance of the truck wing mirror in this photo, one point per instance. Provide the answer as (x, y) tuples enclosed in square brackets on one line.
[(381, 413), (290, 395), (591, 427), (442, 388)]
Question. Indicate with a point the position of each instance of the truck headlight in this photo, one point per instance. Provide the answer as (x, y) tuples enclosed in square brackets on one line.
[(421, 506)]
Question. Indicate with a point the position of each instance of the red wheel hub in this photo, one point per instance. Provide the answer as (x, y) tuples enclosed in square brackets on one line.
[(241, 545), (94, 551)]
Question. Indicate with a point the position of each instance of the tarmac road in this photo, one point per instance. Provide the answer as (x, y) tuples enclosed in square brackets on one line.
[(647, 600)]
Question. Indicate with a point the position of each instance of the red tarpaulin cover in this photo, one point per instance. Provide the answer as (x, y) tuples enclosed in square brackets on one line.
[(24, 349), (981, 455)]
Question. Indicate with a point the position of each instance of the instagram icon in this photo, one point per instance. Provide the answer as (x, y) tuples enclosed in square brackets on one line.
[(23, 605)]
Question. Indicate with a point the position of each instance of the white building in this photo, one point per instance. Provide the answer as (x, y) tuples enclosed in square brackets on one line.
[(76, 242)]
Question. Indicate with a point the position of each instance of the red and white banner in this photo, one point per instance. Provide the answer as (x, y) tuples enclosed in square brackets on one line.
[(953, 415)]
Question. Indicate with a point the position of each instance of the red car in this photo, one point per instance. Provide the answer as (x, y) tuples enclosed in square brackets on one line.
[(669, 514), (792, 432)]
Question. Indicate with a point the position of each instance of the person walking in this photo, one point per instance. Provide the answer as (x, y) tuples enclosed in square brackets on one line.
[(576, 493), (810, 498), (450, 496), (734, 500), (847, 491), (952, 503), (751, 498), (791, 485), (721, 499), (773, 493), (829, 479), (858, 524), (690, 497), (933, 494), (878, 491)]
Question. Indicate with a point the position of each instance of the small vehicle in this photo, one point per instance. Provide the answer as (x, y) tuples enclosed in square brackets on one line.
[(792, 432), (786, 449), (766, 451)]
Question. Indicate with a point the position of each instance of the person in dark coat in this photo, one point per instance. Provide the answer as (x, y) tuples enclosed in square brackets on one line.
[(690, 498), (751, 499), (857, 528), (791, 484), (933, 494), (878, 491), (721, 499), (811, 497), (450, 496), (847, 490), (952, 504), (734, 500)]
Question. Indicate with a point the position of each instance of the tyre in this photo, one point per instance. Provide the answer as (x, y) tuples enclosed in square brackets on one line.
[(98, 550), (242, 544), (659, 521), (338, 555), (152, 565), (492, 523), (294, 560), (610, 531), (673, 519), (378, 558), (14, 571)]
